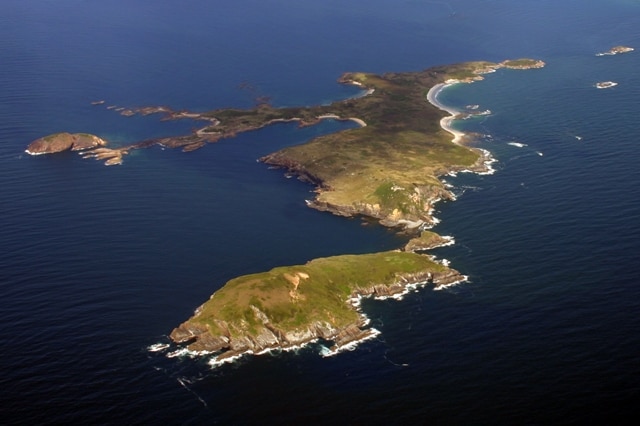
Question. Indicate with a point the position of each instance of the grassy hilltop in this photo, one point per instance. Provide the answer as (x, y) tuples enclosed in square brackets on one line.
[(293, 305)]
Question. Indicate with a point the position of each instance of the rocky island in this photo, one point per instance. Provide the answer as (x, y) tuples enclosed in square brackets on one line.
[(388, 169), (605, 84), (60, 142), (616, 50)]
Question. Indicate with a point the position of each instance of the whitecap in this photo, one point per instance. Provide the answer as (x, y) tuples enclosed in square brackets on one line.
[(216, 362), (450, 240), (518, 144), (351, 346), (157, 347), (186, 352)]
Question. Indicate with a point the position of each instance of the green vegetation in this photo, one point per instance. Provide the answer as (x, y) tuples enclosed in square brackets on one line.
[(523, 63), (296, 296), (402, 146)]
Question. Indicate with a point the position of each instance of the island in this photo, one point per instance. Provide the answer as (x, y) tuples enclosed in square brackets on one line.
[(387, 170), (605, 84), (291, 306), (60, 142), (616, 50)]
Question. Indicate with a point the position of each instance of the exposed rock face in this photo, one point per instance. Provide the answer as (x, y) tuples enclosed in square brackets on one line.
[(60, 142), (198, 337), (110, 156), (84, 141)]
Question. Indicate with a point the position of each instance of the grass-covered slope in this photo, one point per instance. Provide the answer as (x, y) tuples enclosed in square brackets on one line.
[(389, 169), (292, 305)]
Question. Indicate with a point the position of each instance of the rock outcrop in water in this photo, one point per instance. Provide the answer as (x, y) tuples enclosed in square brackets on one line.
[(616, 50), (90, 146), (59, 142)]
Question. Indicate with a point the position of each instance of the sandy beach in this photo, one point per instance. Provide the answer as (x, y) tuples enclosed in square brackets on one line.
[(483, 166), (445, 122), (337, 117)]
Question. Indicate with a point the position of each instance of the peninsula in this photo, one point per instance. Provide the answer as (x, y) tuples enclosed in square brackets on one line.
[(388, 170)]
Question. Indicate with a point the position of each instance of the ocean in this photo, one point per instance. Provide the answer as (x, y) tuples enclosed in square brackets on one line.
[(98, 264)]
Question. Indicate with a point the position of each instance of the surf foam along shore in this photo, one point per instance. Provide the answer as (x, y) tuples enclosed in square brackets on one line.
[(446, 122), (486, 159)]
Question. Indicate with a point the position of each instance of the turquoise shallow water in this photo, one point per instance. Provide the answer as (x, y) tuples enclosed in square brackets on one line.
[(100, 263)]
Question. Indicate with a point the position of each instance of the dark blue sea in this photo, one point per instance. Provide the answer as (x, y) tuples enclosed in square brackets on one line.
[(97, 264)]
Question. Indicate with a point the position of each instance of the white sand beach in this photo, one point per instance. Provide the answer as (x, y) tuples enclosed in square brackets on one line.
[(445, 122)]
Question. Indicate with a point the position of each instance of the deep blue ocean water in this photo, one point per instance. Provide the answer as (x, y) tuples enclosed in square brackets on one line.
[(98, 263)]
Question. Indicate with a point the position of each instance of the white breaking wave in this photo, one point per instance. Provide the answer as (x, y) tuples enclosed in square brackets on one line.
[(518, 144), (351, 346), (157, 347), (186, 352), (465, 278)]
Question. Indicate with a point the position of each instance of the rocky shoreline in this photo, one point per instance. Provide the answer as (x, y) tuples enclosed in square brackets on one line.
[(232, 342)]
